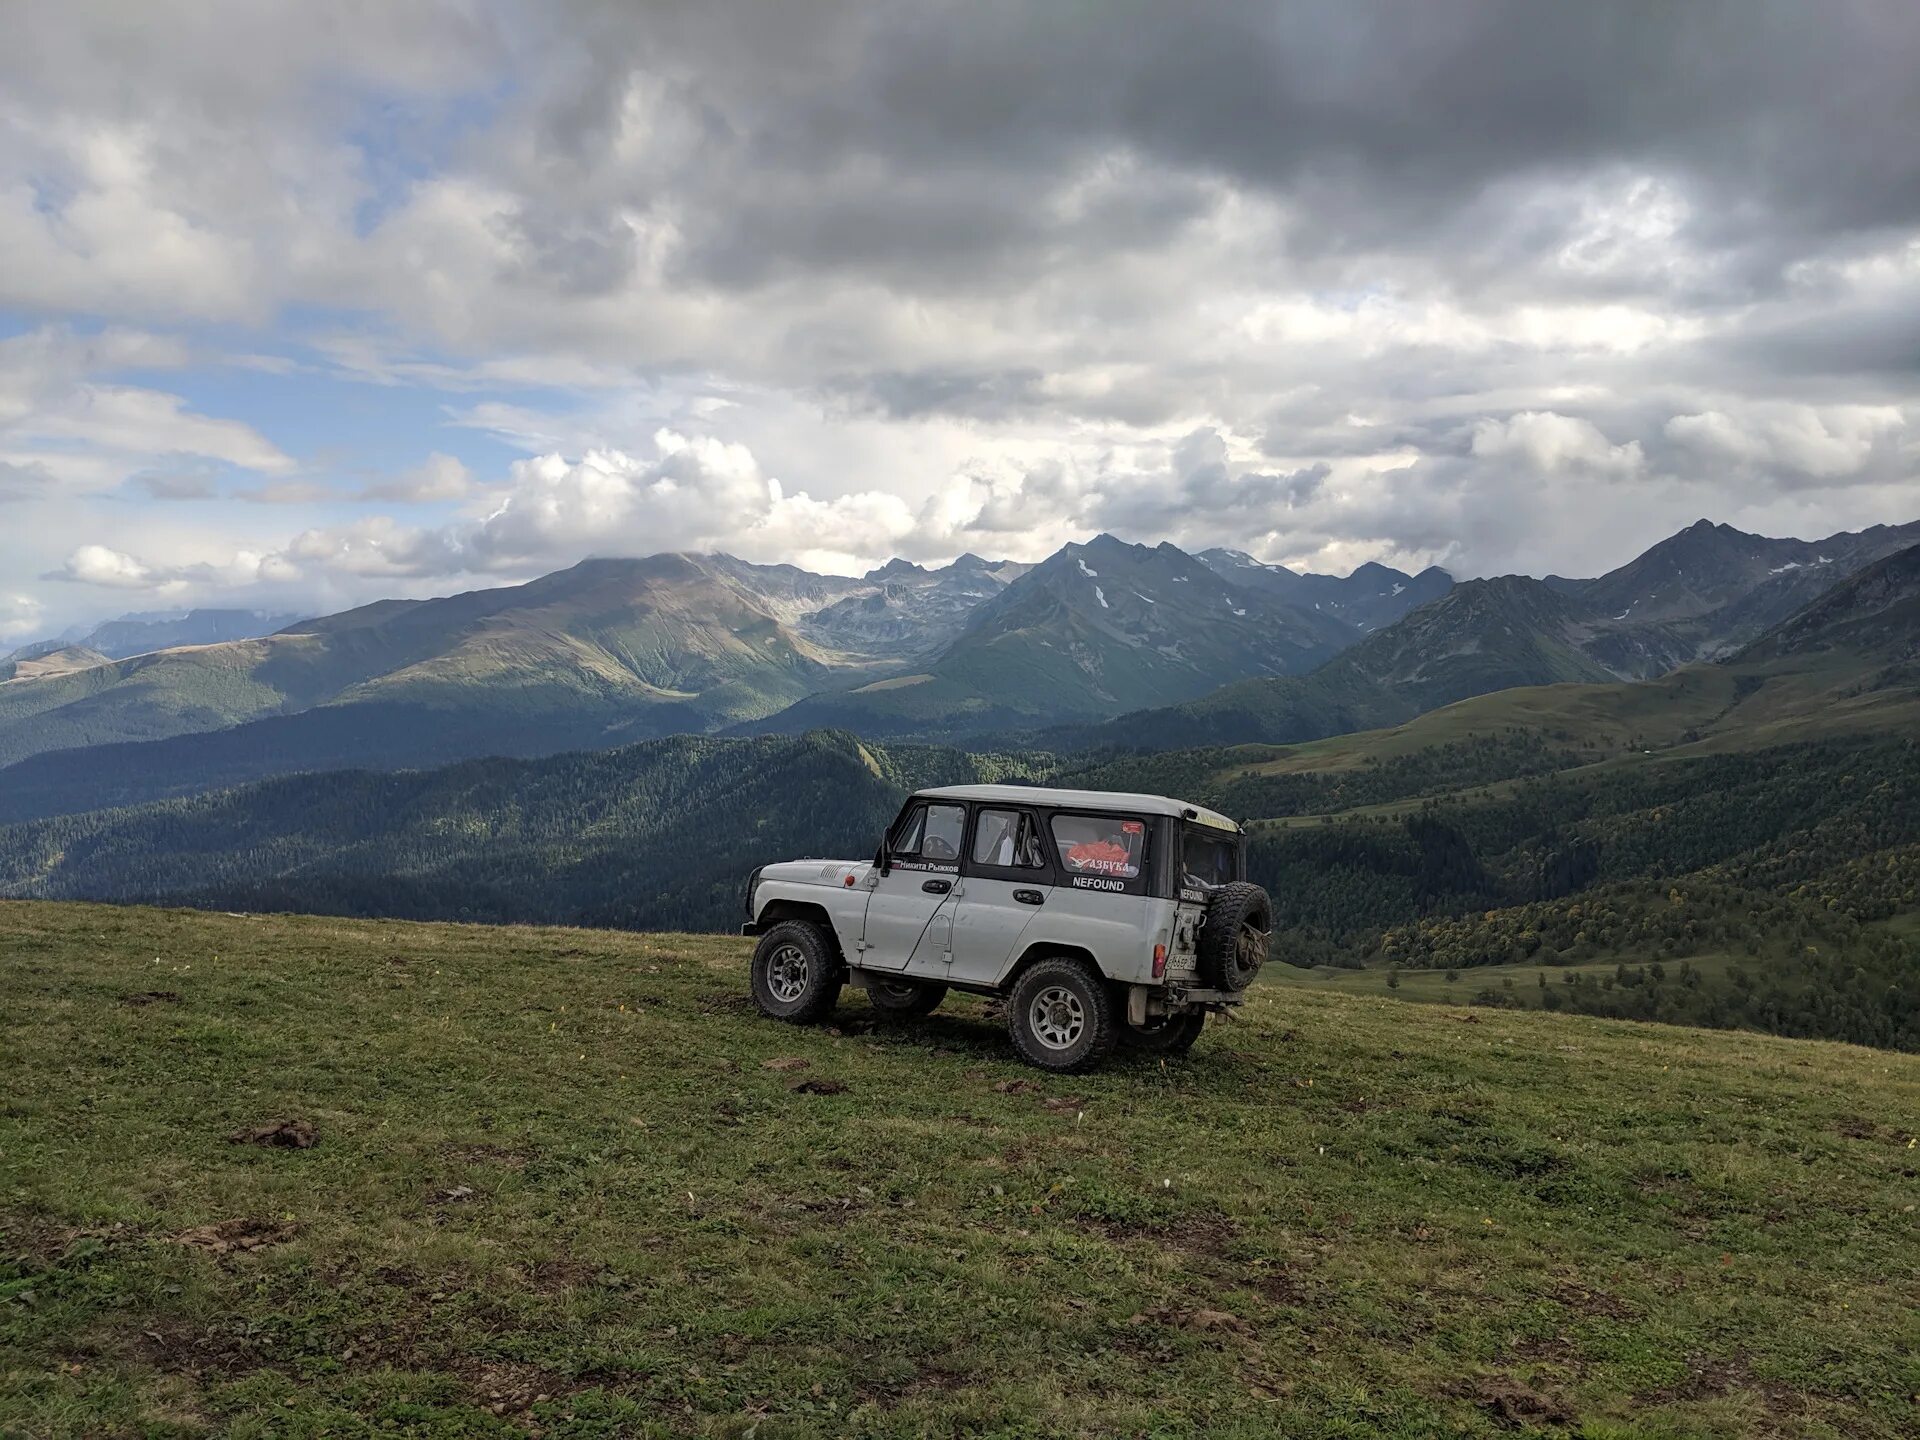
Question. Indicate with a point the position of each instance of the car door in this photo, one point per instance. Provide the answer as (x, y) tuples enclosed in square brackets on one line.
[(1005, 881), (909, 924)]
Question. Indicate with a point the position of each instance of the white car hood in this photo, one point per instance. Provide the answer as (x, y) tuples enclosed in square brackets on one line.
[(817, 872)]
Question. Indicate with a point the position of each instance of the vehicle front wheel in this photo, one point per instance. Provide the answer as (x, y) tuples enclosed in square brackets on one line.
[(1061, 1016), (905, 998), (796, 973), (1164, 1035)]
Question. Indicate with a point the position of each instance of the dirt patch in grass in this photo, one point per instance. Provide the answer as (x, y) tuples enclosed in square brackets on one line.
[(278, 1134), (227, 1237), (926, 1380), (1858, 1127), (820, 1085), (505, 1156), (1709, 1378), (508, 1388), (1598, 1303), (560, 1273), (1202, 1320), (1513, 1405), (178, 1347), (152, 997)]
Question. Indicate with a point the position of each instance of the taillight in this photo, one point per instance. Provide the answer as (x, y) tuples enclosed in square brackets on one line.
[(1159, 961)]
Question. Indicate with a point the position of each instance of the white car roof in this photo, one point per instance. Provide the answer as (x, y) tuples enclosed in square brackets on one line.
[(1082, 800)]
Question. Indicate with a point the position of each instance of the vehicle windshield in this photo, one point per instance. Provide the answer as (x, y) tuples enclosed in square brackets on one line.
[(1207, 858)]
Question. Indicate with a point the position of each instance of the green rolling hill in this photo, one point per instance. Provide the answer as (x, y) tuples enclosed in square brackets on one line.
[(633, 647), (566, 1182)]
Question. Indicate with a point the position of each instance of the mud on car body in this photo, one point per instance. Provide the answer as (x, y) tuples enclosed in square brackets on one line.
[(1101, 919)]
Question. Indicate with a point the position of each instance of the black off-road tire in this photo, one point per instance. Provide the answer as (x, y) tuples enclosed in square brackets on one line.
[(1062, 1016), (1167, 1035), (905, 999), (1232, 943), (797, 973)]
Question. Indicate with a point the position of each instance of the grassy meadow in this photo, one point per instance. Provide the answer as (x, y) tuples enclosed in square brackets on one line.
[(568, 1183)]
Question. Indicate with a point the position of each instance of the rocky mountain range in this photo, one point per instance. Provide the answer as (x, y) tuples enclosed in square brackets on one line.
[(138, 634), (1103, 643)]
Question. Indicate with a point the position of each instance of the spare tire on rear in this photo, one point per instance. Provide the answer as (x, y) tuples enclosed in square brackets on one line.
[(1232, 943)]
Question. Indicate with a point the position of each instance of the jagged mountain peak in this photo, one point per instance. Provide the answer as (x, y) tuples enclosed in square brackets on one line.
[(1874, 614)]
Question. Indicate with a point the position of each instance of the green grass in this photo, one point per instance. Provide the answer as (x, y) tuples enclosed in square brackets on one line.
[(555, 1163), (1432, 986)]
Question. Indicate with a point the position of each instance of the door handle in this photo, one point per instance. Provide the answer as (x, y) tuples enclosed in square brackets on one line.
[(936, 887), (1030, 897)]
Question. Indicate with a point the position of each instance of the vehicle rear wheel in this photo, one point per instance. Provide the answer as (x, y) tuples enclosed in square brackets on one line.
[(1233, 942), (1061, 1016), (1164, 1035), (905, 998), (797, 974)]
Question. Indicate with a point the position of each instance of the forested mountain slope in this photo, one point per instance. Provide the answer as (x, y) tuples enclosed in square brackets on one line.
[(655, 835)]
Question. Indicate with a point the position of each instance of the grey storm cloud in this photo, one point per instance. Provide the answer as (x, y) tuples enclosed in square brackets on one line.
[(1502, 284), (912, 136)]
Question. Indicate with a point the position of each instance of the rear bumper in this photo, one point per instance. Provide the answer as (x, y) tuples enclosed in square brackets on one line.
[(1144, 1001), (1198, 995)]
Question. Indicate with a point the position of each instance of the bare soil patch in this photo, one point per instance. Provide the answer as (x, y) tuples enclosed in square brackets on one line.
[(278, 1134), (226, 1237)]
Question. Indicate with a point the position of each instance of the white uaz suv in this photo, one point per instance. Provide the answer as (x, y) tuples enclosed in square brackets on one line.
[(1099, 918)]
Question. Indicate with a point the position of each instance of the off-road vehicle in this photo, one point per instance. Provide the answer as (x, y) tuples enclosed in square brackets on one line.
[(1098, 919)]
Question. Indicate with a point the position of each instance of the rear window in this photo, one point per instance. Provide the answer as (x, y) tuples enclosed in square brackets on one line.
[(1207, 858), (1007, 840), (1102, 852)]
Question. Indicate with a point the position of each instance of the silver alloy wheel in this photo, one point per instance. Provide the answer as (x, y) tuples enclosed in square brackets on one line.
[(1057, 1016), (787, 974)]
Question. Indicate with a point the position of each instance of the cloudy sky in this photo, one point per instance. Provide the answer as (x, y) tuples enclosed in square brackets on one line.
[(303, 304)]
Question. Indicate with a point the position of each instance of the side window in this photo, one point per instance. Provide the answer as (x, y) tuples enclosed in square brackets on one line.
[(1007, 838), (930, 838), (1102, 852), (946, 824), (906, 839)]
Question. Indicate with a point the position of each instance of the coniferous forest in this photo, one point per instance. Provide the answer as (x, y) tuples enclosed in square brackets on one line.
[(1764, 888)]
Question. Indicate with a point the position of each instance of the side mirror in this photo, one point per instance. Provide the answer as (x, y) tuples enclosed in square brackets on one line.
[(880, 860)]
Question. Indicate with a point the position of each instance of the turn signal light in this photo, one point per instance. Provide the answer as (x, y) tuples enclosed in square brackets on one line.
[(1159, 961), (848, 880)]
